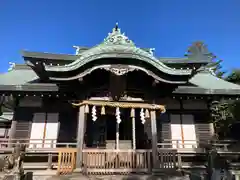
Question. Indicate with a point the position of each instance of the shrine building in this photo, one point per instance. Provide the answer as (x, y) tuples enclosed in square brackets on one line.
[(113, 97)]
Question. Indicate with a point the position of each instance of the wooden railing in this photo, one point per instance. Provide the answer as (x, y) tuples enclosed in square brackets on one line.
[(107, 161), (191, 145), (66, 160), (37, 144), (62, 156), (167, 159)]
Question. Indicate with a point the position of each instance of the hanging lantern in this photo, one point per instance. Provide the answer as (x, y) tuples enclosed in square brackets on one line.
[(103, 111), (86, 109), (142, 116), (118, 117), (132, 112), (147, 114), (94, 113)]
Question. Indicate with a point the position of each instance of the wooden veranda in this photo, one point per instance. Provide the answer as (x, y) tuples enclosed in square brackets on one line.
[(106, 161), (62, 157)]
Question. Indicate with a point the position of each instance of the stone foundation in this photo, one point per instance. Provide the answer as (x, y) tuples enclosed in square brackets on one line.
[(110, 177), (51, 175)]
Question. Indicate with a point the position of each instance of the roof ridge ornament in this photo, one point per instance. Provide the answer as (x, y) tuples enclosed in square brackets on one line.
[(117, 38), (77, 50), (199, 50), (12, 66), (117, 28)]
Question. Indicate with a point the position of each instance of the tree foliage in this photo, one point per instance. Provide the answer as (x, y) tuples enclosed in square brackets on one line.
[(216, 66), (222, 118), (225, 112), (234, 76)]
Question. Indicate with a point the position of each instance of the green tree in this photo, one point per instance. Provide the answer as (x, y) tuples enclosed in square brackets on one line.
[(234, 76), (225, 112), (222, 118), (216, 66)]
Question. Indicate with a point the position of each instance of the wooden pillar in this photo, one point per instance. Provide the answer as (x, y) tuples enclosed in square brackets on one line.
[(133, 133), (118, 120), (117, 136), (132, 114), (237, 177), (154, 137), (12, 132), (80, 136)]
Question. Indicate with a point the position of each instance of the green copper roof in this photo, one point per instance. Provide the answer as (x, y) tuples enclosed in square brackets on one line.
[(117, 45), (68, 58), (18, 76), (191, 90), (207, 80), (117, 51), (48, 56), (6, 116)]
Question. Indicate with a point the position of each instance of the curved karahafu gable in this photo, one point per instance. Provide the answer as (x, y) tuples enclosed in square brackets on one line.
[(117, 45), (118, 70)]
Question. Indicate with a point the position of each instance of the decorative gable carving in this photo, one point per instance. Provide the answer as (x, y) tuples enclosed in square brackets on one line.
[(117, 38)]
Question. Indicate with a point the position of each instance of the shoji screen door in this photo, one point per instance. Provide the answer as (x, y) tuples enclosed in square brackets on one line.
[(183, 131), (44, 130)]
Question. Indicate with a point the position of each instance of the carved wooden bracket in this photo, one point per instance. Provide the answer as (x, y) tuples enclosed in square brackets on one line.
[(119, 71)]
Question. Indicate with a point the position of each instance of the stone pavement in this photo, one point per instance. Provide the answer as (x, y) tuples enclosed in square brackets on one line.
[(51, 175), (110, 177)]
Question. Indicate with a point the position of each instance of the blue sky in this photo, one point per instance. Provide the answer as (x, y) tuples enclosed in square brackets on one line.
[(170, 26)]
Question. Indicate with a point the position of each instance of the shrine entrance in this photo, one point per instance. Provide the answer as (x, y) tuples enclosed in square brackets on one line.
[(112, 136), (102, 133)]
